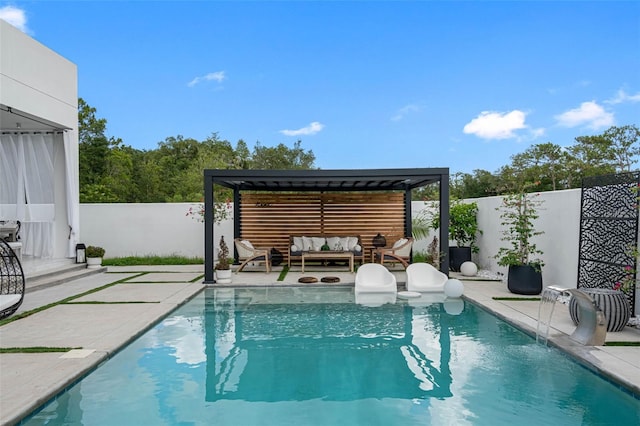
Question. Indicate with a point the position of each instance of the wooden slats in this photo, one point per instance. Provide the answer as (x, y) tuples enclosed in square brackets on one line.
[(269, 219)]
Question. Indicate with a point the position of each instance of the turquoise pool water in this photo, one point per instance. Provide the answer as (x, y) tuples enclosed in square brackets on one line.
[(312, 356)]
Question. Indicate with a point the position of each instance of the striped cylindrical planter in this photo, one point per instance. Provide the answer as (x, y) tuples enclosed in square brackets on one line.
[(613, 304)]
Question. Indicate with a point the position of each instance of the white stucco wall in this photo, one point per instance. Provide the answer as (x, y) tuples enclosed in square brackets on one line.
[(164, 229), (160, 229), (39, 82)]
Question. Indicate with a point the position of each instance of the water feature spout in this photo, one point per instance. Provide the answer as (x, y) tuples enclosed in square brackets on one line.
[(592, 329)]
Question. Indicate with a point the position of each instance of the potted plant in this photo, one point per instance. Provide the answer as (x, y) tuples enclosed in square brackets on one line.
[(223, 267), (518, 213), (463, 229), (94, 256)]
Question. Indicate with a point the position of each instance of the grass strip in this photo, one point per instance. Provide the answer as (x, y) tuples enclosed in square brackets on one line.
[(152, 260), (34, 350), (198, 278), (63, 301), (283, 273), (622, 344), (518, 299)]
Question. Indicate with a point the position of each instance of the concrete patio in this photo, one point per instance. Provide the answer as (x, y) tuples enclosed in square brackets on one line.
[(28, 380)]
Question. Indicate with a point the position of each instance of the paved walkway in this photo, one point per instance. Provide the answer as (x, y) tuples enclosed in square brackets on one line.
[(100, 329)]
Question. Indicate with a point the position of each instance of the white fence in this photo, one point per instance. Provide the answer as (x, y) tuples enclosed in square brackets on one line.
[(165, 229)]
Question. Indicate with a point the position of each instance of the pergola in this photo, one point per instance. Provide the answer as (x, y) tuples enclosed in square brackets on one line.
[(365, 180)]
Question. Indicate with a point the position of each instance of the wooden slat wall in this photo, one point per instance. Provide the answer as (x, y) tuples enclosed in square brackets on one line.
[(269, 219)]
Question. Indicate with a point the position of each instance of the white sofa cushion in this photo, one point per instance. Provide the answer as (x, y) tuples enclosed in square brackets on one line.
[(307, 243), (334, 243), (317, 243), (400, 242)]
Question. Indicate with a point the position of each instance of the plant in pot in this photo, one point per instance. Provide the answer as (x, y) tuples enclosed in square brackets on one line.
[(518, 213), (94, 256), (223, 267), (463, 229)]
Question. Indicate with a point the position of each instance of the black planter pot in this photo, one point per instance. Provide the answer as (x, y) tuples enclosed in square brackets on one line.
[(524, 279), (457, 256)]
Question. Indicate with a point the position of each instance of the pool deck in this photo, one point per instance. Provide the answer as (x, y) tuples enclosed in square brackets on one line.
[(127, 301)]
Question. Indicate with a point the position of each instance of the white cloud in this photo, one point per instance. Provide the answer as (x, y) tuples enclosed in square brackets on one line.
[(622, 96), (15, 17), (217, 76), (588, 114), (405, 110), (311, 129), (496, 125)]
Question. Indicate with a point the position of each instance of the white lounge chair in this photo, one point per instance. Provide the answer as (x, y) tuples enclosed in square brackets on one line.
[(424, 277), (375, 278)]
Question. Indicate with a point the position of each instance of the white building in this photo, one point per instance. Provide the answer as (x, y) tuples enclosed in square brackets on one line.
[(38, 144)]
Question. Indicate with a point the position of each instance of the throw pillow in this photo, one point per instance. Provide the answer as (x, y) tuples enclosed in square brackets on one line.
[(294, 249), (307, 244), (297, 241), (400, 242), (317, 243), (344, 243), (334, 243), (352, 242), (247, 243)]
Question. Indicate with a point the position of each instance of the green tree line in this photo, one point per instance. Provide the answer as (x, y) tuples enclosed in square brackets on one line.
[(111, 171), (551, 166)]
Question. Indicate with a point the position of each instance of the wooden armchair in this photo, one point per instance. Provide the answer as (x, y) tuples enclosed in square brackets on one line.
[(399, 252), (247, 253)]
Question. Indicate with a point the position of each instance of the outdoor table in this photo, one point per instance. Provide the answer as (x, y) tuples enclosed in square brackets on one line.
[(328, 255)]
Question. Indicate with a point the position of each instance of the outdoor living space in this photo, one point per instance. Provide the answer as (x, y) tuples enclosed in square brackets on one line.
[(109, 309)]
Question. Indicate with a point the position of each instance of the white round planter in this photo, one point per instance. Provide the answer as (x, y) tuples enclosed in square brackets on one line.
[(94, 262), (223, 276)]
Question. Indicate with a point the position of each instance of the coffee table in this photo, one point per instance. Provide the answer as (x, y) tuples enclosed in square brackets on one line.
[(328, 255)]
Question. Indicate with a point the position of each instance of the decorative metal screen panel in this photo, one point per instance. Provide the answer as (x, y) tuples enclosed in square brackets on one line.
[(608, 230)]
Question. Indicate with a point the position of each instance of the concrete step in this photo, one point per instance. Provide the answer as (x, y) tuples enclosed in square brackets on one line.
[(49, 278)]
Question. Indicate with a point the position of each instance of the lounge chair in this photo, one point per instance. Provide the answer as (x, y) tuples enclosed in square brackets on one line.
[(424, 277), (248, 253), (375, 278), (399, 252), (12, 282)]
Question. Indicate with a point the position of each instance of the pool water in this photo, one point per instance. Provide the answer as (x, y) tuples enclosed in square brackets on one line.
[(312, 356)]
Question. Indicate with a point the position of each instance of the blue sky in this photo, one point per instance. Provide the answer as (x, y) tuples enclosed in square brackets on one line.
[(455, 84)]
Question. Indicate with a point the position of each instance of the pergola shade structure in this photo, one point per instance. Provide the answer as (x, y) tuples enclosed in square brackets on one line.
[(321, 181)]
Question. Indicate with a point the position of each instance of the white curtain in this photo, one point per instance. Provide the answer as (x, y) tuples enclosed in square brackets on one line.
[(73, 209), (27, 188)]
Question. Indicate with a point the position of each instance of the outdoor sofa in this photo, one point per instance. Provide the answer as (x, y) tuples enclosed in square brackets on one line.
[(305, 243)]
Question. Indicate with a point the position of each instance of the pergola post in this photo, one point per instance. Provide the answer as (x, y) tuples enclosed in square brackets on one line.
[(208, 229), (444, 222)]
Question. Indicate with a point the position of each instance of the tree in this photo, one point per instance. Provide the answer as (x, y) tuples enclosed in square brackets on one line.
[(543, 163), (624, 146), (282, 157)]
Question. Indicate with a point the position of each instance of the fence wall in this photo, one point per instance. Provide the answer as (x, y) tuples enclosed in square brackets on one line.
[(165, 229)]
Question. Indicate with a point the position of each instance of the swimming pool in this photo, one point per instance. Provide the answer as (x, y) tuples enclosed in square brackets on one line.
[(312, 356)]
